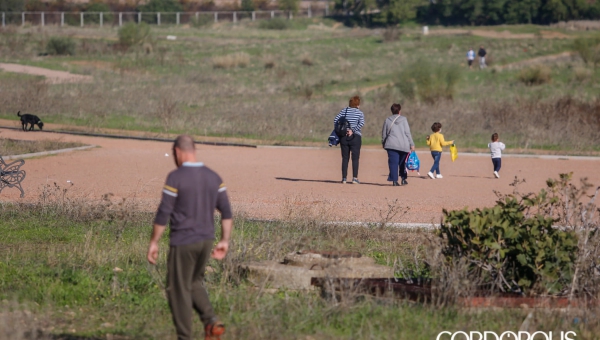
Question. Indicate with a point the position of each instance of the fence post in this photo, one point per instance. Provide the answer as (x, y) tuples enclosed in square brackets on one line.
[(234, 17), (22, 18), (3, 19), (139, 17), (120, 19), (216, 17), (309, 11), (253, 15), (158, 18), (272, 14), (43, 18), (327, 9), (290, 17), (196, 16), (62, 19), (101, 19), (81, 18), (177, 18)]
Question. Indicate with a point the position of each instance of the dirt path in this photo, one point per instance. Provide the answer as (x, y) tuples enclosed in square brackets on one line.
[(274, 182), (553, 58), (499, 34), (52, 76)]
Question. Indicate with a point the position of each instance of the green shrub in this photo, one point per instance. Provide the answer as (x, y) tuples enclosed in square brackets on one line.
[(288, 5), (427, 82), (535, 75), (514, 245), (588, 49), (60, 46), (274, 24), (107, 16), (133, 34), (167, 8), (248, 5)]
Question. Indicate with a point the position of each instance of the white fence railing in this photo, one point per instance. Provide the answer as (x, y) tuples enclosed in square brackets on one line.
[(158, 18)]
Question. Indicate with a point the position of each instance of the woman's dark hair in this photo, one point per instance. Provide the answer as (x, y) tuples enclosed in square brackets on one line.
[(396, 108), (495, 137), (354, 102), (436, 127)]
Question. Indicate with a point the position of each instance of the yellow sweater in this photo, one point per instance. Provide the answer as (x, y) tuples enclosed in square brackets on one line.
[(436, 142)]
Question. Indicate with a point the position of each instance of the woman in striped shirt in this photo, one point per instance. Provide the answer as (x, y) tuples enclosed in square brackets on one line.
[(352, 141)]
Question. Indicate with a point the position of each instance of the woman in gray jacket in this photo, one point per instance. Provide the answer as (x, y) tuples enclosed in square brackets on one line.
[(397, 141)]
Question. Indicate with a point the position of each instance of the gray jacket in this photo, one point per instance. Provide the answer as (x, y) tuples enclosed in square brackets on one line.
[(399, 137)]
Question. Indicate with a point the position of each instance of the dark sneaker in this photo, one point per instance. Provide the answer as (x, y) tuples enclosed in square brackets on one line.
[(343, 181), (213, 331), (404, 182), (355, 181), (395, 184)]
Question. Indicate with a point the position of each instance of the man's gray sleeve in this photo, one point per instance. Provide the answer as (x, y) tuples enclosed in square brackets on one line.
[(167, 203)]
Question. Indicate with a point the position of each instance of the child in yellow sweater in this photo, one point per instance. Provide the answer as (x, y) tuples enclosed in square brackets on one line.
[(436, 142)]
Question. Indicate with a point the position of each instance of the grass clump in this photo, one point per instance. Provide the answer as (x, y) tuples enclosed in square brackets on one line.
[(230, 61), (60, 46), (275, 24), (133, 34), (428, 83), (588, 49), (535, 75), (391, 34), (18, 147)]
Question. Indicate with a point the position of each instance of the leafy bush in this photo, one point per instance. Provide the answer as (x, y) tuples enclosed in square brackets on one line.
[(288, 5), (132, 34), (107, 16), (60, 46), (248, 5), (274, 24), (514, 245), (162, 6), (588, 49), (427, 82), (535, 75)]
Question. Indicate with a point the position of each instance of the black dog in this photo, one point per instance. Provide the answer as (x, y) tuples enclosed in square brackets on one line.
[(30, 119)]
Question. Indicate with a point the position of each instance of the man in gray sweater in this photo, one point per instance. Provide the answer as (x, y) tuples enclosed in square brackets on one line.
[(397, 141), (190, 196)]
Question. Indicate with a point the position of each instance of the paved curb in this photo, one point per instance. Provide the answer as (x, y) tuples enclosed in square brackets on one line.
[(48, 153)]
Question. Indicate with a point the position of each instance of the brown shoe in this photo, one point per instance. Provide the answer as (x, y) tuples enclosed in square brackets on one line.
[(213, 331)]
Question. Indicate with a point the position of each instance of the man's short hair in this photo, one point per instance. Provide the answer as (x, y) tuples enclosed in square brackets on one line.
[(185, 143), (354, 102), (396, 108), (436, 127)]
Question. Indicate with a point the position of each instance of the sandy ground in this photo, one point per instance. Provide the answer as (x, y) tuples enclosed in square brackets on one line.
[(52, 76), (274, 182)]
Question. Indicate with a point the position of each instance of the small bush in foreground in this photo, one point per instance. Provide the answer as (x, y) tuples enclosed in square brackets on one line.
[(60, 46), (133, 34), (274, 24), (391, 34), (535, 75)]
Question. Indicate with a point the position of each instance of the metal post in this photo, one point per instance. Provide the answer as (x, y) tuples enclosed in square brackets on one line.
[(22, 18), (272, 14), (290, 15), (234, 17), (101, 19), (327, 9), (253, 15), (81, 18), (139, 17), (3, 19), (309, 11), (42, 17), (120, 19), (158, 18), (216, 16), (196, 16), (177, 18), (62, 19)]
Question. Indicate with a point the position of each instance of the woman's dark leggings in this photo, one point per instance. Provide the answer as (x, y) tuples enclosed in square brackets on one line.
[(497, 163), (350, 145)]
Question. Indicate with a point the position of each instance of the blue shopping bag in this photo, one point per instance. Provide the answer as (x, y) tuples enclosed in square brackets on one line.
[(413, 163)]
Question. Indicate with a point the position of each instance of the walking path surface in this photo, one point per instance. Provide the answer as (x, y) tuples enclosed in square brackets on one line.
[(271, 183), (52, 76)]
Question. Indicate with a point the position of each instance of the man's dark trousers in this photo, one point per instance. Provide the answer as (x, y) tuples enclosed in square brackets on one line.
[(185, 286), (348, 145)]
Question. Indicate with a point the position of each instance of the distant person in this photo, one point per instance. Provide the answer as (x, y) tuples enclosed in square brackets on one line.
[(470, 57), (496, 148), (436, 142), (398, 142), (482, 53), (190, 196), (351, 142)]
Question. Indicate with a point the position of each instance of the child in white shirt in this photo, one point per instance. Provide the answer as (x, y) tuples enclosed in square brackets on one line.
[(496, 148)]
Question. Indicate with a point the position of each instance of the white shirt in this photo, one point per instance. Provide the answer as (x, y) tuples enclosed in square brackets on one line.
[(496, 149), (470, 55)]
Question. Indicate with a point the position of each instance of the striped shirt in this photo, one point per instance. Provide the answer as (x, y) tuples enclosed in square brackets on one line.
[(354, 116), (190, 197)]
